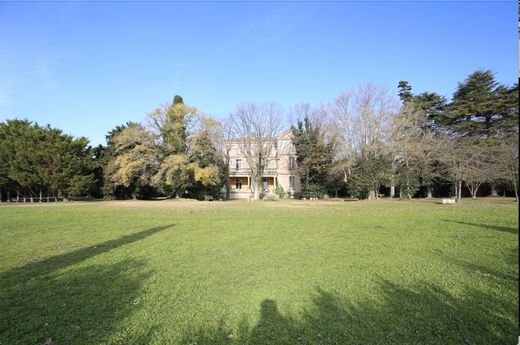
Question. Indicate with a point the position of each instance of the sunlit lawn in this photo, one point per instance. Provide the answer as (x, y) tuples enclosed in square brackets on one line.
[(284, 272)]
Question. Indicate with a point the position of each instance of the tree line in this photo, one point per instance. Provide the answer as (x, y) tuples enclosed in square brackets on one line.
[(417, 146), (363, 144)]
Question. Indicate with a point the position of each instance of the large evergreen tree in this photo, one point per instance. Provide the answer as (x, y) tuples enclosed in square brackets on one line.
[(37, 160), (314, 157), (478, 106)]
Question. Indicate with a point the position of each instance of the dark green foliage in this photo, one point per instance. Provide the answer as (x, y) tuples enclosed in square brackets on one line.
[(336, 186), (38, 159), (507, 121), (312, 190), (367, 176), (479, 105), (409, 181), (81, 185), (177, 100), (314, 157), (405, 91), (298, 195), (432, 104), (203, 152)]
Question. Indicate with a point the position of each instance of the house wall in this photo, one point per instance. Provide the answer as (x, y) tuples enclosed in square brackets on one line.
[(283, 181), (277, 167)]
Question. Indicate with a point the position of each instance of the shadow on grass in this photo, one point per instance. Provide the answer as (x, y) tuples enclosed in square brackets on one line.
[(508, 273), (73, 305), (486, 226), (420, 314)]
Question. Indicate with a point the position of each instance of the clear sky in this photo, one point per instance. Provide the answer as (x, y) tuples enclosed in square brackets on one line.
[(87, 67)]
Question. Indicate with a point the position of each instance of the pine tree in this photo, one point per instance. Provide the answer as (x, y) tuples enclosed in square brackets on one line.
[(405, 91)]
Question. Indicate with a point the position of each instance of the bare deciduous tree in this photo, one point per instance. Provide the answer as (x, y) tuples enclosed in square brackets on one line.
[(255, 129), (507, 160), (362, 120), (223, 135), (468, 161), (415, 145), (344, 133)]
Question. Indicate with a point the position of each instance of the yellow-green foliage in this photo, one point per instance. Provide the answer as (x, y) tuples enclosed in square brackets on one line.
[(174, 131), (136, 158), (131, 136), (174, 170), (133, 164), (208, 176)]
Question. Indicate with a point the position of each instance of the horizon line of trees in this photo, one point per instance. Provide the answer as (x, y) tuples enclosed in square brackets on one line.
[(363, 144)]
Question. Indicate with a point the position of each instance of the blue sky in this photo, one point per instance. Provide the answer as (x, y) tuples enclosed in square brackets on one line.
[(87, 67)]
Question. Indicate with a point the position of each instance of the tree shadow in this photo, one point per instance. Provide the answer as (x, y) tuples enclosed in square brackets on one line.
[(73, 305), (487, 226), (507, 275), (418, 314)]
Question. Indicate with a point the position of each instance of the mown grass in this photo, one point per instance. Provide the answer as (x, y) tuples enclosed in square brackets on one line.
[(284, 272)]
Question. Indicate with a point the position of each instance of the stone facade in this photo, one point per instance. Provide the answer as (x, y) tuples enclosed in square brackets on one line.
[(280, 170)]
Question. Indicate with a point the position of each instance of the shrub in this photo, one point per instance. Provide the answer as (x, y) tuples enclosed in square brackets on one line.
[(298, 195), (270, 197), (312, 190), (279, 192)]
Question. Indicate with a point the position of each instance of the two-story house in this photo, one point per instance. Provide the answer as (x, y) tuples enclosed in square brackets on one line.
[(280, 169)]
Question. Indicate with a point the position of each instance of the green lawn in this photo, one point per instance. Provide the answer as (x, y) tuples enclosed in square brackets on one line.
[(284, 272)]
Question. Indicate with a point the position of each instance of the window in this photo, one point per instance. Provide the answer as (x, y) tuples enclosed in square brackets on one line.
[(238, 184), (238, 164), (292, 163), (292, 182)]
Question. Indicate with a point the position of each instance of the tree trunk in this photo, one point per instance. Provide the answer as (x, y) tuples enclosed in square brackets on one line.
[(456, 191), (17, 196), (392, 192), (1, 196), (228, 190), (8, 196), (459, 191), (255, 187), (494, 191), (474, 190), (429, 194), (40, 196), (516, 191), (371, 195)]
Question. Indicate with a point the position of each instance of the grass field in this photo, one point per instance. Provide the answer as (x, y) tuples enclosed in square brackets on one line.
[(284, 272)]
